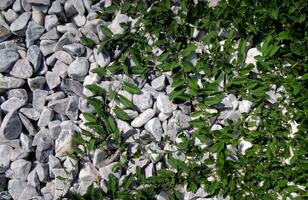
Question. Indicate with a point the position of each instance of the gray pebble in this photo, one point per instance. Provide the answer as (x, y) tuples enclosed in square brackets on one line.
[(59, 106), (27, 124), (154, 127), (22, 69), (12, 104), (72, 108), (143, 101), (11, 126), (39, 99), (19, 25), (52, 79), (46, 116), (35, 57), (7, 58), (30, 113), (33, 32)]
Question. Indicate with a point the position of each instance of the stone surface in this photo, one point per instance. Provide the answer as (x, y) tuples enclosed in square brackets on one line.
[(7, 82), (7, 58), (39, 99), (5, 157), (143, 101), (72, 108), (245, 106), (143, 118), (30, 113), (154, 127), (159, 83), (115, 26), (59, 105), (35, 57), (19, 169), (22, 69), (15, 187), (11, 126), (78, 69), (20, 23), (12, 104), (4, 4), (53, 80), (33, 32), (27, 124), (45, 117), (164, 104)]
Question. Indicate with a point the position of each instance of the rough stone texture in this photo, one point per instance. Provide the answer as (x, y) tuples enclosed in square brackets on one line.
[(11, 126), (7, 58)]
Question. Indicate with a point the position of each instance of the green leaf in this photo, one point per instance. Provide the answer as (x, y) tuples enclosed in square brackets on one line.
[(100, 71), (127, 182), (210, 101), (121, 114), (189, 50), (97, 90), (106, 31), (131, 88), (126, 102), (86, 41)]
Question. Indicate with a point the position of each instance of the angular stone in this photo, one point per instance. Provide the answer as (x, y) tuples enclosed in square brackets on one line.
[(132, 114), (78, 69), (74, 49), (7, 82), (5, 157), (51, 21), (155, 128), (33, 32), (12, 104), (54, 128), (99, 157), (7, 58), (4, 33), (230, 101), (46, 116), (27, 124), (43, 150), (72, 108), (35, 57), (4, 4), (60, 68), (19, 153), (38, 17), (15, 187), (56, 9), (181, 120), (115, 26), (72, 86), (62, 185), (90, 79), (143, 101), (52, 79), (64, 143), (11, 126), (245, 106), (39, 99), (37, 82), (47, 47), (26, 142), (55, 96), (22, 69), (20, 23), (30, 192), (143, 118), (19, 169), (79, 6), (159, 83), (102, 58), (50, 35), (59, 106), (30, 113), (164, 105)]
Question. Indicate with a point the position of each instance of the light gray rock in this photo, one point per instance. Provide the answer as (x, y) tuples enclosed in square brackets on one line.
[(52, 79), (132, 114), (29, 193), (11, 126), (181, 119), (18, 93), (30, 113), (43, 150), (26, 142), (33, 179), (42, 171), (18, 153), (10, 15), (5, 195), (50, 35), (46, 116), (149, 170), (70, 85), (19, 169), (7, 82), (15, 187), (115, 26), (26, 5), (99, 157), (66, 38), (38, 17), (72, 108), (40, 2), (4, 4), (37, 82), (55, 96), (35, 57), (4, 33), (12, 104), (53, 163), (74, 49), (54, 128), (60, 68), (33, 32), (64, 143), (159, 83), (70, 10), (143, 118), (63, 57), (79, 6), (154, 127), (51, 21), (47, 47), (63, 184), (7, 58), (143, 101), (39, 99), (164, 104), (230, 101), (22, 69), (19, 25), (17, 6), (56, 9), (5, 157), (27, 124), (245, 106), (78, 69), (59, 106), (102, 58)]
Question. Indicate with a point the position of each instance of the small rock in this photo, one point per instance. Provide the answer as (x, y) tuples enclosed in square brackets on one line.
[(143, 118), (4, 33), (7, 82), (181, 120), (143, 101), (37, 82), (78, 69), (159, 83), (30, 113), (245, 106), (35, 57), (27, 124), (26, 142), (47, 47), (99, 157), (46, 116), (7, 58), (15, 187), (22, 69), (42, 171), (72, 108), (115, 26), (20, 23), (72, 86), (51, 21), (39, 99), (155, 128), (164, 104), (60, 68), (11, 126), (90, 79), (19, 169), (102, 58), (163, 116), (79, 6), (54, 128), (12, 104), (50, 35), (4, 4), (149, 170), (18, 93), (230, 101), (52, 79), (34, 32), (43, 150), (64, 57), (79, 20), (132, 114), (38, 17), (5, 157), (74, 49), (62, 185), (64, 143), (59, 106), (30, 192), (55, 96), (56, 9)]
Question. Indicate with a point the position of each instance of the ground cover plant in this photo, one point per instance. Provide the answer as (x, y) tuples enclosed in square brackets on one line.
[(207, 52)]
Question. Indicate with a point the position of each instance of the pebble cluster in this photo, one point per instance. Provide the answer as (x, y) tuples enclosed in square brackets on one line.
[(43, 71)]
